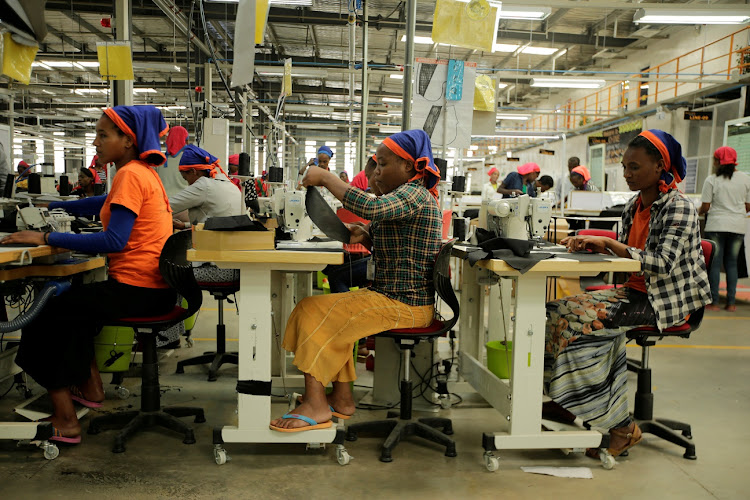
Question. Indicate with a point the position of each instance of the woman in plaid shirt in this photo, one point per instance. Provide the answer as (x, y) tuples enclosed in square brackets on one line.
[(405, 236), (585, 363)]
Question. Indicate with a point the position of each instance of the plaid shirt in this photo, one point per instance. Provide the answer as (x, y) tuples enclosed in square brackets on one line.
[(676, 277), (405, 230)]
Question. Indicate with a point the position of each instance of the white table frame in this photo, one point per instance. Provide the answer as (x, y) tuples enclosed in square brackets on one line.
[(520, 397)]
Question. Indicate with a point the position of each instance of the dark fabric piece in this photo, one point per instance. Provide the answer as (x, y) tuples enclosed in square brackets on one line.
[(517, 253), (254, 387), (56, 348), (233, 223)]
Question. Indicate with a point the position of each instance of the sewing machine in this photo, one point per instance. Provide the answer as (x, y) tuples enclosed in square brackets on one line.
[(520, 218), (38, 218), (288, 206)]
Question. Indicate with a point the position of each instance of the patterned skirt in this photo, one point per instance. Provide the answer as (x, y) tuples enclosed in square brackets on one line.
[(585, 363)]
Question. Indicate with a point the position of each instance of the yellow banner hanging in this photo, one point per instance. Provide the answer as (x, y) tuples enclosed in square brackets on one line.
[(484, 93), (286, 82), (17, 59), (261, 18), (115, 60), (472, 25)]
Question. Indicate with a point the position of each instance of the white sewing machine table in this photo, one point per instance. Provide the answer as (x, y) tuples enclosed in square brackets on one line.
[(519, 398), (256, 336)]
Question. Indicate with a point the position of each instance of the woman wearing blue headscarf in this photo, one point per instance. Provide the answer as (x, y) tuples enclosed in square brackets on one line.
[(210, 193), (405, 237), (585, 337), (321, 160), (137, 221)]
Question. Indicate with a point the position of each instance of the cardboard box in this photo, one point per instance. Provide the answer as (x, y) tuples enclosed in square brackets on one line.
[(232, 240)]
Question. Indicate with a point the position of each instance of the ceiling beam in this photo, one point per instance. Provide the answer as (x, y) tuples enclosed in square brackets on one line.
[(148, 41)]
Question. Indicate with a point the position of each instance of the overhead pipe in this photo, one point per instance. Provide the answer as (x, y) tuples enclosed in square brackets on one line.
[(362, 146), (411, 28)]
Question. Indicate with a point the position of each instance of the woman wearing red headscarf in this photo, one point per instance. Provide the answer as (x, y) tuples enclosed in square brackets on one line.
[(490, 188), (725, 199), (585, 334), (580, 177)]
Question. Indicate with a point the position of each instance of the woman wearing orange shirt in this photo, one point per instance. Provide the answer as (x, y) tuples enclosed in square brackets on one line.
[(137, 221)]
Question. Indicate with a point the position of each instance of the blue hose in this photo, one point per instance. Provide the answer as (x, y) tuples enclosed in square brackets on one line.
[(50, 289)]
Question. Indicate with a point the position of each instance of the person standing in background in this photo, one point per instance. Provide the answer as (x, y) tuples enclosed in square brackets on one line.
[(169, 173), (563, 184), (490, 188), (725, 199)]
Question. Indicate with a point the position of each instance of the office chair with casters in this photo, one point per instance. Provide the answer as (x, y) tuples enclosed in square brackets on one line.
[(673, 431), (220, 290), (178, 274), (397, 428)]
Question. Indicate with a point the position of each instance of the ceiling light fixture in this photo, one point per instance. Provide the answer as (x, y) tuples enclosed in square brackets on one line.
[(514, 136), (521, 12), (426, 40), (710, 15), (144, 91), (512, 117), (397, 76), (539, 51), (296, 3), (504, 47), (397, 100), (568, 83)]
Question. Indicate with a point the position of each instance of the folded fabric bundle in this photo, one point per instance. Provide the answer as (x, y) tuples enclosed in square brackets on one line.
[(516, 253)]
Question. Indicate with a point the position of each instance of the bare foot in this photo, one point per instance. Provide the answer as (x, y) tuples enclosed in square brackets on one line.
[(320, 415), (67, 427), (342, 405), (89, 392)]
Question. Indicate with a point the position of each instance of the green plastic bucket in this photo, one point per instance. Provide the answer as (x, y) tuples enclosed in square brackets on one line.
[(189, 322), (500, 358), (113, 348)]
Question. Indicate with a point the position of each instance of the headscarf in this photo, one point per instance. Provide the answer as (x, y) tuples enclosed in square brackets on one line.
[(176, 140), (23, 164), (726, 155), (93, 170), (93, 161), (145, 125), (234, 159), (199, 159), (675, 166), (583, 172), (415, 145), (492, 171), (527, 168), (326, 151)]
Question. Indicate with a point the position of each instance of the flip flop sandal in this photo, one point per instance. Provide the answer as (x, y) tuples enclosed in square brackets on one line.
[(77, 396), (58, 437), (312, 424), (336, 414)]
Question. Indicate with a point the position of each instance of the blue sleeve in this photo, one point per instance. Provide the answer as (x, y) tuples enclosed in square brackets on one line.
[(112, 240), (85, 206), (513, 181)]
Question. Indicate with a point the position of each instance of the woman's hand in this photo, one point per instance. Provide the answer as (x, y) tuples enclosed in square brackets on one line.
[(597, 244), (178, 224), (316, 177), (30, 237), (358, 233)]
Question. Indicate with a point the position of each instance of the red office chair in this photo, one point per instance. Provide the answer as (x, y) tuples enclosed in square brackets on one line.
[(644, 397), (406, 339), (178, 273)]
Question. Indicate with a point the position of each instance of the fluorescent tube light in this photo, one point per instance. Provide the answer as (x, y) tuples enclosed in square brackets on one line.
[(512, 117), (390, 129), (510, 136), (709, 15), (568, 83), (397, 76), (296, 3), (397, 100), (144, 91), (540, 51), (296, 72), (504, 47), (315, 126), (521, 12), (427, 40), (309, 107)]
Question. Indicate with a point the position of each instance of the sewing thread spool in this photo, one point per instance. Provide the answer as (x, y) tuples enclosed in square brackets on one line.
[(459, 183), (35, 184), (64, 185), (244, 166), (442, 165), (459, 229)]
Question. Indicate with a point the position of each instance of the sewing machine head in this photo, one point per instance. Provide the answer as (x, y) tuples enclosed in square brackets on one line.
[(520, 218), (39, 218)]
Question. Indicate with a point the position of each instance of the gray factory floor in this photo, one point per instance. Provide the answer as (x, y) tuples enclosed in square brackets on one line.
[(702, 380)]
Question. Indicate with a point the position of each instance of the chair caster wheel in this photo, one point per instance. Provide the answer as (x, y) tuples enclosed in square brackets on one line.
[(220, 455), (51, 451), (342, 456), (122, 392), (607, 460), (491, 462)]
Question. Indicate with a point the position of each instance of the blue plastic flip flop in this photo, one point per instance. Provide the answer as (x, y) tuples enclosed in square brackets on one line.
[(312, 424)]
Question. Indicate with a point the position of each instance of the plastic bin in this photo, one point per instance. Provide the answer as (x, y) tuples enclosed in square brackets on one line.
[(113, 348), (500, 357)]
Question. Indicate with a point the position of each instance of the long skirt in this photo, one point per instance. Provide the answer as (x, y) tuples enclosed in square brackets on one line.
[(322, 329), (585, 363)]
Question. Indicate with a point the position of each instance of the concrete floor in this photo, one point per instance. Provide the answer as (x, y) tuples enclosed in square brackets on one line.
[(703, 380)]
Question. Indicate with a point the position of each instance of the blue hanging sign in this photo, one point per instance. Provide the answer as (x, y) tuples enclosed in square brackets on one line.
[(455, 84)]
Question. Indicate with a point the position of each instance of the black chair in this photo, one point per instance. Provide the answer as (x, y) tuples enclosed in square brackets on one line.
[(673, 431), (178, 273), (221, 292), (406, 339)]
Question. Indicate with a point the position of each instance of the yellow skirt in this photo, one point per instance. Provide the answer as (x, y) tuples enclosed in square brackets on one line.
[(322, 329)]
